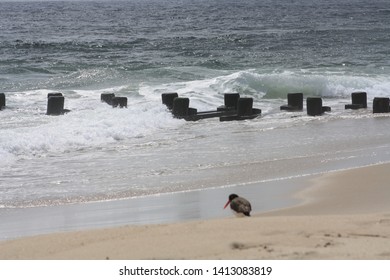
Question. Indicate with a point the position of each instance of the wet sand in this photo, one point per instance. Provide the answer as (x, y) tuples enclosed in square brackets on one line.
[(154, 209), (343, 215)]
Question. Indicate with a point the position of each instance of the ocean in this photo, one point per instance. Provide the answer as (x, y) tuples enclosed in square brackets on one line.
[(200, 49)]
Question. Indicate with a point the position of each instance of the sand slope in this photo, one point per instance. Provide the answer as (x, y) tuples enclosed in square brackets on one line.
[(344, 215)]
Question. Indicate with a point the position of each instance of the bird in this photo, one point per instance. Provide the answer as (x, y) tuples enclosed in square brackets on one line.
[(239, 205)]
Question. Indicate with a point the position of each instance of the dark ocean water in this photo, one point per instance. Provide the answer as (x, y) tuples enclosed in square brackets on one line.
[(79, 44), (200, 49)]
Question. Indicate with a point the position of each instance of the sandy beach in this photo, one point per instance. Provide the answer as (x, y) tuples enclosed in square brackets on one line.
[(343, 215)]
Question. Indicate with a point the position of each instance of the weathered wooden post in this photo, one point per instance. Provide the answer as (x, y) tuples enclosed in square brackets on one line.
[(294, 102), (244, 111), (180, 107), (381, 105), (231, 100), (55, 105), (2, 100), (54, 94), (120, 102), (314, 106), (107, 97), (167, 99), (359, 101), (244, 106)]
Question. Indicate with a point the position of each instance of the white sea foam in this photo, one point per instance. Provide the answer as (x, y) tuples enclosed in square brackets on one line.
[(276, 84), (163, 152), (27, 131)]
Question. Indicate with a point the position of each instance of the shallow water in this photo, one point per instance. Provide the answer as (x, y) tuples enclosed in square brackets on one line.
[(155, 209)]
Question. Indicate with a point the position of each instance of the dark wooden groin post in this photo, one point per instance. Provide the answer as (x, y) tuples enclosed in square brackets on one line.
[(381, 105), (2, 101), (359, 101), (294, 102), (120, 102), (107, 97), (180, 107), (314, 106), (55, 104), (167, 99), (244, 111), (244, 106), (230, 102)]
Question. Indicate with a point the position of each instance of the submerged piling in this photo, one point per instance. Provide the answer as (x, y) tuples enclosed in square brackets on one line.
[(55, 105), (120, 102), (245, 111), (244, 106), (230, 102), (294, 102), (167, 99), (359, 101), (107, 98), (54, 94), (2, 101), (381, 105), (180, 107), (314, 106)]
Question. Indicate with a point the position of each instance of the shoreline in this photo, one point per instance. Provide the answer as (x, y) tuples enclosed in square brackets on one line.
[(344, 215), (361, 190), (194, 205)]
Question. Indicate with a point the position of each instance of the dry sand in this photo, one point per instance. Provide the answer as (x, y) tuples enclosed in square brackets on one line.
[(344, 215)]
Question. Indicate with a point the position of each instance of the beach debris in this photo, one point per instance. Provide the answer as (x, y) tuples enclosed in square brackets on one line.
[(294, 102), (243, 246), (327, 244), (314, 106), (237, 246), (381, 105), (55, 104), (239, 205), (368, 235), (359, 101), (2, 101)]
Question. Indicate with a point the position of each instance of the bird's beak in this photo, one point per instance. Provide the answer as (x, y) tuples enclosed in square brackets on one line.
[(227, 203)]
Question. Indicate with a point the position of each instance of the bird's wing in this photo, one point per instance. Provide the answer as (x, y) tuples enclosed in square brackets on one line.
[(241, 205)]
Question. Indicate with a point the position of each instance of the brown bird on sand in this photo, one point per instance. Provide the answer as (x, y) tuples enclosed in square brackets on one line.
[(239, 205)]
